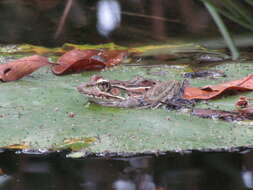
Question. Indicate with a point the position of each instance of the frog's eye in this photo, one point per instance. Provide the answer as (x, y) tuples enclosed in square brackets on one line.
[(104, 86)]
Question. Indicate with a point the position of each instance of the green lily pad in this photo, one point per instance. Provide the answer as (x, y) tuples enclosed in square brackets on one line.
[(43, 110)]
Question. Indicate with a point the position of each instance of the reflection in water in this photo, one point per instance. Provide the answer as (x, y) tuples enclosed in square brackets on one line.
[(124, 185), (247, 178), (215, 170), (108, 15)]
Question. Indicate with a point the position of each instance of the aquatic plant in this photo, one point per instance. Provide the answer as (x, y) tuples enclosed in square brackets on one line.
[(214, 10)]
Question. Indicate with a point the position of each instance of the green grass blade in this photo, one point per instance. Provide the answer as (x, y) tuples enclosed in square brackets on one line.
[(250, 2), (239, 21), (229, 14), (229, 7), (236, 6), (231, 45)]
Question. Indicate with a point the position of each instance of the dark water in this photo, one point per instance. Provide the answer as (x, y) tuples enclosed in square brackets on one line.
[(197, 170), (125, 22)]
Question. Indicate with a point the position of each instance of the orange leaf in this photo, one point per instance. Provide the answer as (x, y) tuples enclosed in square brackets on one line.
[(213, 91), (114, 57), (19, 68), (76, 61)]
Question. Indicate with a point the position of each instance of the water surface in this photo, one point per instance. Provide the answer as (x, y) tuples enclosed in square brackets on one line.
[(197, 170)]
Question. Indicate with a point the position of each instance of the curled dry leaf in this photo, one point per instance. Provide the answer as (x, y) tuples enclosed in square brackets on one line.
[(76, 61), (213, 91), (19, 68)]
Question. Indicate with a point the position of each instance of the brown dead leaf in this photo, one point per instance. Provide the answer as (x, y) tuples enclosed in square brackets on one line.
[(213, 91), (113, 57), (76, 61), (19, 68)]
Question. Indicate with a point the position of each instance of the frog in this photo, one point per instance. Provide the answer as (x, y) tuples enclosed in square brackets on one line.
[(138, 92)]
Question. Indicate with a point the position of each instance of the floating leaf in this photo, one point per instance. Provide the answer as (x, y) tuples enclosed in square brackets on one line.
[(209, 92), (35, 111), (17, 146), (28, 48), (19, 68), (107, 46)]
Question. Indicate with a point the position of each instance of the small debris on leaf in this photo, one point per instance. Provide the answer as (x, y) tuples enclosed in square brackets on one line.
[(205, 73), (219, 114), (242, 102), (56, 109), (71, 114)]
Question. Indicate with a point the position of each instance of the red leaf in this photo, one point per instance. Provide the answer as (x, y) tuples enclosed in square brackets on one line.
[(213, 91), (76, 61), (19, 68), (113, 57)]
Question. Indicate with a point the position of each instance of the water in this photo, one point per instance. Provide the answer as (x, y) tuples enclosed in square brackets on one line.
[(196, 170), (99, 21)]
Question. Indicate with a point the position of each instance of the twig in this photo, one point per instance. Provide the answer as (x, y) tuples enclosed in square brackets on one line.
[(63, 18)]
